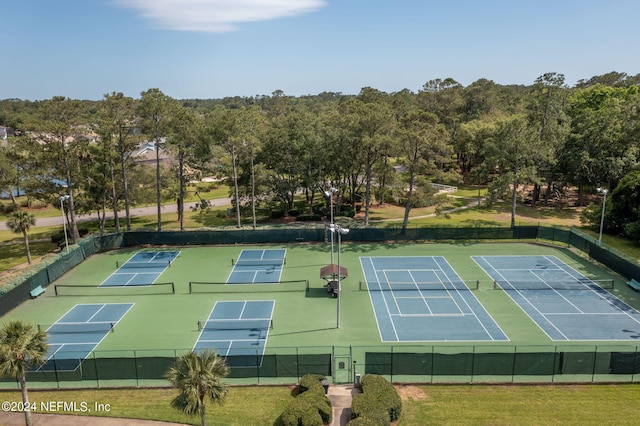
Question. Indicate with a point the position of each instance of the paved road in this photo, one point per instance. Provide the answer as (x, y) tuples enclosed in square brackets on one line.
[(136, 211)]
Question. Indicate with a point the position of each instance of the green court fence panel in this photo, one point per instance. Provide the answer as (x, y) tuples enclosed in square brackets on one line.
[(493, 364), (64, 264), (40, 278), (109, 242), (534, 364), (577, 362), (88, 246), (15, 297), (459, 364), (624, 363), (411, 363)]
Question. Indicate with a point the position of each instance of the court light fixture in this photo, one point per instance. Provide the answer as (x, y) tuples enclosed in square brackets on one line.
[(604, 192), (340, 231), (329, 193), (63, 198)]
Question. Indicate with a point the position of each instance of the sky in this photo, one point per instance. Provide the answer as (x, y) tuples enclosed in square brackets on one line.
[(83, 49)]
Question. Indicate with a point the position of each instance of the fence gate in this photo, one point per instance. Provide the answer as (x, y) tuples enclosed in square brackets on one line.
[(342, 366)]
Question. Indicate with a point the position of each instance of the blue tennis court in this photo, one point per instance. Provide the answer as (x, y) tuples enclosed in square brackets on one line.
[(237, 330), (421, 298), (258, 266), (143, 268), (565, 304), (74, 336)]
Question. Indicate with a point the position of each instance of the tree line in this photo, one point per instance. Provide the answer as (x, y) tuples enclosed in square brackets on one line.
[(372, 147)]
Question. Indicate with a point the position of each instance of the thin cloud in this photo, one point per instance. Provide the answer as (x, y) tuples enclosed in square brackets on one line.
[(217, 15)]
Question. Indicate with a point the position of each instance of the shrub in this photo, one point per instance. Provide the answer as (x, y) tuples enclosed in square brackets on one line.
[(311, 382), (57, 238), (377, 417), (277, 214), (308, 217), (377, 394), (300, 413), (294, 212), (319, 403), (8, 208), (346, 211), (311, 406)]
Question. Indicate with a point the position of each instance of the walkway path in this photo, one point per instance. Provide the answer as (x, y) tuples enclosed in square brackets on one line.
[(341, 397)]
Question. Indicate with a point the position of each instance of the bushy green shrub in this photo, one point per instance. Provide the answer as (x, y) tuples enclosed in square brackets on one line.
[(277, 214), (57, 238), (308, 217), (378, 417), (345, 211), (8, 208), (377, 394), (311, 407), (294, 212), (319, 403), (311, 382)]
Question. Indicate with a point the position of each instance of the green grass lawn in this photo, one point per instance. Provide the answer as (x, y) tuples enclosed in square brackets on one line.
[(438, 404)]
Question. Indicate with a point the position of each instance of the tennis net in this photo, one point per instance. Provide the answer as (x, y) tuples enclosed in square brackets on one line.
[(236, 324), (419, 286), (137, 265), (259, 262), (253, 287), (77, 327), (120, 290), (579, 284)]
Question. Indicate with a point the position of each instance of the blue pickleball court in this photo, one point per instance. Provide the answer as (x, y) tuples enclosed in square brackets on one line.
[(258, 266), (77, 333), (237, 330), (143, 268)]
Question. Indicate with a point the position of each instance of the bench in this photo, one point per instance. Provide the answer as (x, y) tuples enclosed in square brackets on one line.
[(633, 284), (36, 292)]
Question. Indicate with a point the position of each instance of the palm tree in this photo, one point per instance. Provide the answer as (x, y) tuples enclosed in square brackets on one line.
[(22, 346), (197, 377), (21, 221)]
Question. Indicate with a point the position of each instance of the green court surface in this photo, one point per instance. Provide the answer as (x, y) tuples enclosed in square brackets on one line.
[(165, 323)]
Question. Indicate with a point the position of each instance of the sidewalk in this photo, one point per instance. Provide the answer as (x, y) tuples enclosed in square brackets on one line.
[(341, 397)]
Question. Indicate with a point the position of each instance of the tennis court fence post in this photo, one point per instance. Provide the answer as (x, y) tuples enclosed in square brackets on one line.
[(135, 358)]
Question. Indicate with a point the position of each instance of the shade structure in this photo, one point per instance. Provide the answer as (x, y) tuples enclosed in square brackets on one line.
[(330, 272)]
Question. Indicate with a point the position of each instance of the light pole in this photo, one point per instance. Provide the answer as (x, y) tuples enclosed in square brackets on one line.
[(604, 201), (329, 194), (340, 231), (64, 223)]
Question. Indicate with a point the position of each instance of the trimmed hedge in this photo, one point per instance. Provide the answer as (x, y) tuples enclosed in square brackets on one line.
[(378, 395), (311, 407), (308, 217), (312, 382)]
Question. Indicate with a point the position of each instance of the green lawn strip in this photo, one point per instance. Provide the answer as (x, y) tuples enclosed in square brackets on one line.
[(522, 405), (15, 254), (446, 404), (243, 405)]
